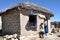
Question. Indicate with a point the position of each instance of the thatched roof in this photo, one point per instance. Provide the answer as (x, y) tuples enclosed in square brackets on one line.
[(28, 5)]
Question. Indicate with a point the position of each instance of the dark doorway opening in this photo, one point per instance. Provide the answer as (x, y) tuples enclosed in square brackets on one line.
[(32, 23), (32, 20)]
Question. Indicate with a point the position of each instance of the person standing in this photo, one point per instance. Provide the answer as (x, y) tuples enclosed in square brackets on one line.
[(45, 28)]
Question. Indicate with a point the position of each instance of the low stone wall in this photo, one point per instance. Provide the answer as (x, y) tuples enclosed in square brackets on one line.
[(31, 37), (26, 37), (11, 37)]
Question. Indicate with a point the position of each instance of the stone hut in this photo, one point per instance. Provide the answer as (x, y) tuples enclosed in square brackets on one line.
[(24, 18), (56, 25)]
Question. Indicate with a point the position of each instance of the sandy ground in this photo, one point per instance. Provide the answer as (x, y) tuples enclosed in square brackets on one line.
[(50, 37), (36, 37)]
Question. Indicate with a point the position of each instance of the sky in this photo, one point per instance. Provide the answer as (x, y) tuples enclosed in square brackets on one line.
[(52, 5)]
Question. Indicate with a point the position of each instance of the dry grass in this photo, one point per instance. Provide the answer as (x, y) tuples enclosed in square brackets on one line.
[(1, 38)]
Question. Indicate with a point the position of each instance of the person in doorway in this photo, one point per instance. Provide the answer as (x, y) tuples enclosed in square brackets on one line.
[(45, 28), (41, 33)]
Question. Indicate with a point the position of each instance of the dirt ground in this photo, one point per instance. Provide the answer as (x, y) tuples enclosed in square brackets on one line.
[(55, 36)]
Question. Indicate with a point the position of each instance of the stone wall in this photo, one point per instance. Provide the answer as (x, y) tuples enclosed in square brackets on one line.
[(25, 29), (11, 22), (14, 19)]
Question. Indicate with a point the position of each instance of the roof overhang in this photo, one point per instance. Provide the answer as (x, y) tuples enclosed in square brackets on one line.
[(29, 6)]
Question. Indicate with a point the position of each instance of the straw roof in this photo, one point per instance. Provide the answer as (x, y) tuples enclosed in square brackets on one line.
[(28, 5)]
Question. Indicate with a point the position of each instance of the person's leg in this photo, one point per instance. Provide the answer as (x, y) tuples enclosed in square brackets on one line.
[(42, 34), (39, 34)]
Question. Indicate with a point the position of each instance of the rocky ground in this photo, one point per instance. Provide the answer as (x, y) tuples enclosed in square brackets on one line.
[(55, 36)]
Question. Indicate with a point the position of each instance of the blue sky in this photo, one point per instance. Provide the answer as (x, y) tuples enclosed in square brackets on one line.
[(52, 5)]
